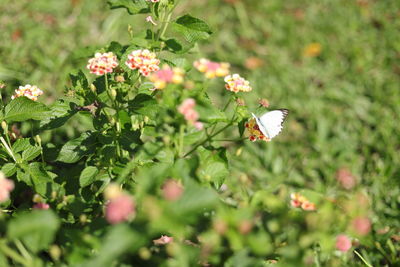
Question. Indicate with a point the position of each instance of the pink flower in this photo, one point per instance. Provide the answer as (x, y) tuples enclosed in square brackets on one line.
[(198, 125), (211, 69), (144, 60), (30, 91), (6, 186), (102, 63), (343, 243), (172, 190), (166, 75), (190, 114), (235, 83), (345, 178), (362, 225), (150, 19), (41, 206), (120, 209), (163, 240), (263, 102)]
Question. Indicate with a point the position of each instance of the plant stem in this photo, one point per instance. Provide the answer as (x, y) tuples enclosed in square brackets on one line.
[(181, 135), (166, 25), (13, 255), (361, 257), (22, 250), (207, 139), (8, 148)]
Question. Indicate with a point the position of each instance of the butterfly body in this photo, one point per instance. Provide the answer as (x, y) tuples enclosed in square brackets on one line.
[(270, 123)]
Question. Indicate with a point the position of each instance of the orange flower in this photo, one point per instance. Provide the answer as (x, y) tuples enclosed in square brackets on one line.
[(312, 50), (298, 200)]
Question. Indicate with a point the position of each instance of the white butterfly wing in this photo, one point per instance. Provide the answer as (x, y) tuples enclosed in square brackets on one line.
[(270, 123)]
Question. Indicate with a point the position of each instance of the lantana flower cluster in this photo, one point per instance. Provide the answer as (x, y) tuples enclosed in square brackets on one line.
[(190, 114), (6, 186), (235, 83), (102, 63), (297, 200), (165, 76), (120, 206), (212, 69), (143, 60), (255, 132), (30, 91)]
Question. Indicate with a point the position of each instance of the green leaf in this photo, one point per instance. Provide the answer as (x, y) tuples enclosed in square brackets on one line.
[(22, 144), (208, 112), (9, 169), (22, 109), (88, 176), (79, 80), (195, 199), (31, 152), (193, 29), (118, 240), (144, 105), (41, 179), (132, 6), (60, 112), (214, 166), (75, 149), (36, 229)]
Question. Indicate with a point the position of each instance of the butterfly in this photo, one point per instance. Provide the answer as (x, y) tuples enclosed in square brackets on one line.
[(270, 123)]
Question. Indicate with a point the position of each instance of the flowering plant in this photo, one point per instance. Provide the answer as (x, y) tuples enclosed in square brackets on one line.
[(148, 182)]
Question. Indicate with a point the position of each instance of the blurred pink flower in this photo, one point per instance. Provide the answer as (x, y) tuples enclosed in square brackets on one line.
[(102, 63), (198, 125), (120, 209), (190, 114), (361, 225), (163, 240), (144, 60), (41, 206), (30, 91), (172, 190), (166, 75), (345, 178), (6, 186), (211, 69), (343, 243)]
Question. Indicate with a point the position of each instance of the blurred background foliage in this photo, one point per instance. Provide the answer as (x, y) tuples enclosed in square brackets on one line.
[(334, 64)]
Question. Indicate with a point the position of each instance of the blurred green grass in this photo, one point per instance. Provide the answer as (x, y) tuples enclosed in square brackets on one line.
[(344, 102)]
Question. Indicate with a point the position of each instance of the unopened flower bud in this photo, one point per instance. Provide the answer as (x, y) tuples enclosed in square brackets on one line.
[(38, 139), (146, 119), (93, 88), (4, 126), (113, 93), (144, 253), (55, 252), (83, 218), (37, 198)]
